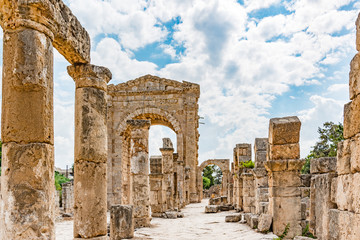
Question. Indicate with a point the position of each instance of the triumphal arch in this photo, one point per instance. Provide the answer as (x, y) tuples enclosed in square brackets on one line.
[(133, 107)]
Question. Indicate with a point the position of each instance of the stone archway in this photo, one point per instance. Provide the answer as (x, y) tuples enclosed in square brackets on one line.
[(224, 165), (164, 102)]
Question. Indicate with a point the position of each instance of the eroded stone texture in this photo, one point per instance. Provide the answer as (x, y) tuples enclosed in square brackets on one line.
[(90, 150), (323, 172), (121, 222), (168, 171), (165, 102), (139, 150), (354, 77), (28, 197), (358, 33), (28, 193), (54, 19), (284, 177)]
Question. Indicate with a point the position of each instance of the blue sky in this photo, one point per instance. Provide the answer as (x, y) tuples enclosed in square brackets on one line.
[(254, 60)]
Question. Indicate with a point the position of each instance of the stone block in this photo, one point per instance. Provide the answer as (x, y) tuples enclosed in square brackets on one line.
[(248, 202), (276, 165), (284, 192), (342, 225), (260, 158), (28, 192), (284, 130), (211, 209), (262, 207), (233, 218), (354, 77), (90, 178), (355, 190), (224, 208), (27, 95), (265, 221), (284, 179), (180, 215), (285, 151), (171, 214), (261, 144), (352, 118), (247, 217), (355, 154), (254, 221), (323, 165), (343, 157), (302, 238), (305, 180), (344, 192), (121, 222), (262, 194)]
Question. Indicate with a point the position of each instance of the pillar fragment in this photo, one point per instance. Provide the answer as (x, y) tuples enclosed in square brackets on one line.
[(121, 222), (168, 169), (90, 204), (284, 176), (139, 158)]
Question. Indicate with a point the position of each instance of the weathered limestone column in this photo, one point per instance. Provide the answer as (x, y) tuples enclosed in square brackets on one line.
[(323, 171), (90, 150), (180, 180), (284, 167), (187, 184), (157, 191), (260, 174), (27, 127), (139, 157), (168, 169), (248, 190)]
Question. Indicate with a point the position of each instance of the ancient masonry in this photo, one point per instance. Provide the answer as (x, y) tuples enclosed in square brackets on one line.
[(31, 29), (161, 101)]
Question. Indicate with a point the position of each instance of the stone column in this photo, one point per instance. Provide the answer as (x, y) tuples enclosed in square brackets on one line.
[(181, 178), (248, 190), (27, 126), (157, 191), (261, 176), (283, 166), (139, 158), (168, 169), (323, 171), (90, 150), (187, 184)]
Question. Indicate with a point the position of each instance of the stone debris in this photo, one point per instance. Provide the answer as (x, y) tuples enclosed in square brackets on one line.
[(211, 209), (233, 218), (265, 221)]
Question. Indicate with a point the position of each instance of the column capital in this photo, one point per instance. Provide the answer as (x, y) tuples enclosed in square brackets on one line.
[(88, 75), (166, 150)]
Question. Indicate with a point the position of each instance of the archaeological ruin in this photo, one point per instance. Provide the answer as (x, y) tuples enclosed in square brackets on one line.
[(117, 187)]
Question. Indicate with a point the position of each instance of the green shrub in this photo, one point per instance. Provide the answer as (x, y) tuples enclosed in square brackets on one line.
[(60, 179), (247, 164)]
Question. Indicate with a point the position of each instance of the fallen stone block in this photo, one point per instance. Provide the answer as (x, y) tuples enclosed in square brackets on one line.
[(254, 221), (121, 222), (247, 217), (171, 214), (180, 215), (224, 208), (211, 209), (265, 221), (233, 218)]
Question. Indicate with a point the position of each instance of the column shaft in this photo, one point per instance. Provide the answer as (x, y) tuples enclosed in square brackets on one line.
[(90, 150), (28, 136)]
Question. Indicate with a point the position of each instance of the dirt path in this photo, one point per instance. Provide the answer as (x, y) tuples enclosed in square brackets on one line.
[(195, 225)]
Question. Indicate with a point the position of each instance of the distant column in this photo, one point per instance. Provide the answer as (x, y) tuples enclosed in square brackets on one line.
[(139, 158)]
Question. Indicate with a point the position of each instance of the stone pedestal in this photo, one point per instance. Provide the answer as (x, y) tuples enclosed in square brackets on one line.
[(90, 150), (139, 157), (121, 222)]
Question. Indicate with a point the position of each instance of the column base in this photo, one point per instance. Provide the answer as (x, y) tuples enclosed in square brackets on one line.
[(94, 238), (142, 222)]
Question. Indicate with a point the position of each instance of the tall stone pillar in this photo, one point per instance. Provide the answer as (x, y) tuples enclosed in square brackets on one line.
[(27, 126), (139, 161), (283, 166), (157, 191), (248, 191), (181, 180), (90, 150), (168, 169), (261, 176)]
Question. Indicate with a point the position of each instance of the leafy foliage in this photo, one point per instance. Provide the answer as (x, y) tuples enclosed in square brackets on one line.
[(60, 179), (307, 233), (212, 175), (283, 235), (247, 164), (329, 137)]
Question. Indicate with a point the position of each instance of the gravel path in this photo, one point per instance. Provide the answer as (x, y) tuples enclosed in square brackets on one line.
[(195, 225)]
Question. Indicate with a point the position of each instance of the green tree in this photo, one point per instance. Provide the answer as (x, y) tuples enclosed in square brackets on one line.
[(329, 137), (213, 174), (60, 179)]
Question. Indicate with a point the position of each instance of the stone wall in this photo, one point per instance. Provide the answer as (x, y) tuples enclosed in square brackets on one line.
[(323, 172), (345, 188)]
